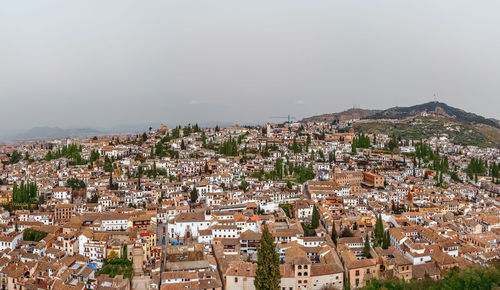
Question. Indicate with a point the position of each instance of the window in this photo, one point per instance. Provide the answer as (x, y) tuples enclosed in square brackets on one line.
[(300, 267), (305, 273), (300, 273), (305, 266), (357, 274), (235, 279)]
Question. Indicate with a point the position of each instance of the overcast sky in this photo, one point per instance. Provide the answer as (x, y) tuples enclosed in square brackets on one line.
[(102, 63)]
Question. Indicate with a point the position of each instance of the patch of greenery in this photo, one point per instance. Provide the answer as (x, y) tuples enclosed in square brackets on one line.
[(15, 157), (474, 277), (75, 183), (33, 235), (117, 266), (26, 192), (287, 208), (429, 127), (309, 231), (71, 152)]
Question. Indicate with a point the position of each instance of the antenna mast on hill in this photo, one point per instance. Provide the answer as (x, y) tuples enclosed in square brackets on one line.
[(435, 98)]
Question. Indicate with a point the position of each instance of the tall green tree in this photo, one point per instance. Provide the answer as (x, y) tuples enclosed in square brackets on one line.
[(268, 274), (379, 231), (140, 170), (94, 156), (367, 248), (315, 218), (108, 164), (203, 138), (385, 241), (334, 234), (194, 195), (278, 168)]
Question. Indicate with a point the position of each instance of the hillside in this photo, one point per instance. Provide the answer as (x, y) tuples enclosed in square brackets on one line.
[(424, 127), (351, 114), (422, 121), (436, 109)]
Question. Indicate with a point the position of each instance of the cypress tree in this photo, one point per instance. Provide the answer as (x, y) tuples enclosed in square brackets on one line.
[(379, 230), (334, 234), (268, 274), (366, 249), (111, 180), (385, 240), (315, 218), (15, 193)]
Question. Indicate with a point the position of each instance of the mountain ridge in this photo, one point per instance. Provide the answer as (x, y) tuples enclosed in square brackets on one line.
[(433, 108), (397, 112), (460, 126), (350, 114)]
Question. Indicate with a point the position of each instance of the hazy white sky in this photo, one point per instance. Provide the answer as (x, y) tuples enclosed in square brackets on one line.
[(102, 63)]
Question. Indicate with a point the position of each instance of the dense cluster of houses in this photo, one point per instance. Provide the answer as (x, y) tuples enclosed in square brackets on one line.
[(185, 213)]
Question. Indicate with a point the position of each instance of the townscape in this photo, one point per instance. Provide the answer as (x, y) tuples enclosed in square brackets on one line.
[(298, 205)]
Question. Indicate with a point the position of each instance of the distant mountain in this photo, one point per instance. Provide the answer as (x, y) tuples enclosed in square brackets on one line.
[(351, 114), (436, 109), (46, 132), (495, 120), (41, 133)]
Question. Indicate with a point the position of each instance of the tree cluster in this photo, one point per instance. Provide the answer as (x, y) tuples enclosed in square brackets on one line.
[(303, 173), (295, 147), (361, 141), (75, 183), (24, 193), (117, 266), (71, 152), (381, 237), (15, 157), (229, 147), (393, 144), (477, 166), (495, 172)]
